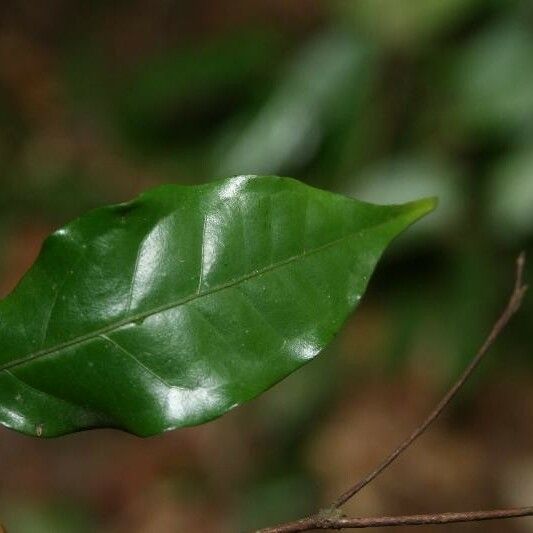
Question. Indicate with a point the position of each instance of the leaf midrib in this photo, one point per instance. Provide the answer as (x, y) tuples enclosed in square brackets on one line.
[(178, 303)]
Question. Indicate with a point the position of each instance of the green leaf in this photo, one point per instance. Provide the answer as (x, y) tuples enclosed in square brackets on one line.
[(170, 310), (412, 23), (510, 196), (289, 128), (492, 80)]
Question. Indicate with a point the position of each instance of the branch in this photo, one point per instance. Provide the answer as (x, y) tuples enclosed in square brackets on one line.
[(322, 522), (513, 306), (333, 519)]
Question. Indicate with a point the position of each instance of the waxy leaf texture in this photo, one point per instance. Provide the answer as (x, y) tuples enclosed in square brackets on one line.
[(171, 309)]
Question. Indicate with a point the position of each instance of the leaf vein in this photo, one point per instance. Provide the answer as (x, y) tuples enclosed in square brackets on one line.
[(137, 360), (202, 259), (182, 301), (134, 274)]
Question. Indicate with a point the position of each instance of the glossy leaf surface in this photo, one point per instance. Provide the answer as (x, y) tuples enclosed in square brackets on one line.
[(169, 310)]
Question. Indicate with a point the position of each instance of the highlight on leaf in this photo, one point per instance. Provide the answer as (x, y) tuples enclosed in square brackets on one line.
[(171, 309)]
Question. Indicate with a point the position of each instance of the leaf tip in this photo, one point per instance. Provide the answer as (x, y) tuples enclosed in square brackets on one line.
[(420, 208), (424, 206)]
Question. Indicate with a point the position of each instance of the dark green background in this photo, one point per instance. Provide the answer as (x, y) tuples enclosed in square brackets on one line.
[(386, 100)]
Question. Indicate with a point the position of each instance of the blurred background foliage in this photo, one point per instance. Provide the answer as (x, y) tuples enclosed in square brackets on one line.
[(385, 100)]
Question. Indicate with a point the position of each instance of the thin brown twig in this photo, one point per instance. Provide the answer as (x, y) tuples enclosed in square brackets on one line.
[(333, 519), (513, 306), (317, 522)]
